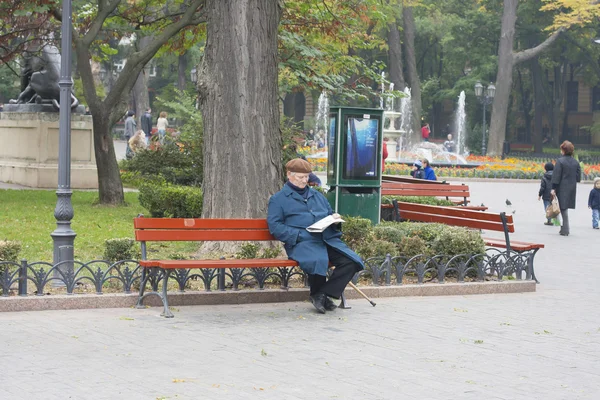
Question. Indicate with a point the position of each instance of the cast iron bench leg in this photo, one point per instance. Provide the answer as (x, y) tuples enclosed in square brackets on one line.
[(530, 264), (166, 313), (143, 281)]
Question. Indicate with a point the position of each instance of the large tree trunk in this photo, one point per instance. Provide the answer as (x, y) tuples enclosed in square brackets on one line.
[(560, 79), (506, 61), (411, 71), (238, 97), (504, 78), (526, 105), (140, 89), (538, 105), (110, 188), (181, 71), (395, 56)]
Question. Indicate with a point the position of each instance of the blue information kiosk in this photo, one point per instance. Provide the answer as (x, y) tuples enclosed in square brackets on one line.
[(354, 161)]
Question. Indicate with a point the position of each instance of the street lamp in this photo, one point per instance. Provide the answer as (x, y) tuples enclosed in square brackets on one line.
[(485, 97), (63, 236)]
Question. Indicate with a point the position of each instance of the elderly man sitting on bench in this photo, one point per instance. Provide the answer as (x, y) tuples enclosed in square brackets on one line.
[(291, 211)]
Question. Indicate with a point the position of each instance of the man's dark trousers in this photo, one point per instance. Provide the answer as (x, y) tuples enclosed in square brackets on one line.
[(345, 268)]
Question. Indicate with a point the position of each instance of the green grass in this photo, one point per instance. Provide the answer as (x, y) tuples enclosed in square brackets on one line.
[(28, 217)]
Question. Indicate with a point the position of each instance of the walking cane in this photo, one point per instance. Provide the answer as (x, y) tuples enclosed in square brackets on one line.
[(362, 294)]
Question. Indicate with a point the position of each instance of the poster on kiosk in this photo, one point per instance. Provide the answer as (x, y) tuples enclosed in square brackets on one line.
[(354, 161)]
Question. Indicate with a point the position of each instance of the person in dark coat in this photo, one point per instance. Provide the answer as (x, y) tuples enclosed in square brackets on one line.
[(567, 173), (594, 203), (417, 172), (146, 121), (546, 189), (294, 208)]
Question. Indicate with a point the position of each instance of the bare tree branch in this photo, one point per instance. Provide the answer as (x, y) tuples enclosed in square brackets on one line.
[(528, 54)]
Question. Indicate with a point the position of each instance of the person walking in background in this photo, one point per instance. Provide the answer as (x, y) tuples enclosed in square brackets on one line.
[(429, 172), (425, 131), (546, 189), (417, 172), (146, 122), (161, 125), (566, 175), (594, 203), (385, 154), (137, 142), (130, 128)]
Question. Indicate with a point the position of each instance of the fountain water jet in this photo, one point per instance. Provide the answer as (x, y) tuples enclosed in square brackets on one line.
[(460, 124)]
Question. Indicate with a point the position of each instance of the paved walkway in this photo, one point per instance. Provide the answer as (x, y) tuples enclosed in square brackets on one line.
[(543, 345)]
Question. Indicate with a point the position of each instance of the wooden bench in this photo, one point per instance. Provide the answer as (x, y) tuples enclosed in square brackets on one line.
[(457, 216), (424, 189), (198, 230), (521, 147), (406, 179)]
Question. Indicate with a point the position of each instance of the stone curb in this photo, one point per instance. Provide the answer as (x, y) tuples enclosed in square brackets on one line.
[(119, 300)]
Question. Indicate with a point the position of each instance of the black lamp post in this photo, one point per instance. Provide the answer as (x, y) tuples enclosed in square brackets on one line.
[(64, 237), (485, 97)]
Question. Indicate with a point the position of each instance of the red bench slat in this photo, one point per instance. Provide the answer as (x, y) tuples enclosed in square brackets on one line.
[(181, 235), (420, 186), (514, 244), (428, 193), (234, 263), (406, 179), (443, 219), (199, 223), (453, 212)]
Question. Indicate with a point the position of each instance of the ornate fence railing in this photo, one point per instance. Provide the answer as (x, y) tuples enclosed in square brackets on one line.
[(101, 276)]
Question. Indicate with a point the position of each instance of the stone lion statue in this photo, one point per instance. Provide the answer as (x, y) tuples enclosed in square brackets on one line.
[(39, 78)]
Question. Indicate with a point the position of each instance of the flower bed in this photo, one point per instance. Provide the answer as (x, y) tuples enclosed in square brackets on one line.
[(492, 167)]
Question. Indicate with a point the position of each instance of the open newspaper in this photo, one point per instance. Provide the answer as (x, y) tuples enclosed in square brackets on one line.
[(322, 224)]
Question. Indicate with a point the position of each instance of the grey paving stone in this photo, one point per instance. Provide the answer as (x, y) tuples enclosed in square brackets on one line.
[(543, 345)]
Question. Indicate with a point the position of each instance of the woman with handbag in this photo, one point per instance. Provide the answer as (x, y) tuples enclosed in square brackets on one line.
[(567, 173)]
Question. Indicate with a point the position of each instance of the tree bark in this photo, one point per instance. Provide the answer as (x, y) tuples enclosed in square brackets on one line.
[(237, 86), (504, 78), (395, 56), (538, 105), (560, 79), (411, 71), (110, 188), (526, 104), (181, 71)]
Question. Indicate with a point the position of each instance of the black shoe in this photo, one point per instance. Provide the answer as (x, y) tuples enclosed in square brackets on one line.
[(318, 300), (563, 234), (329, 304), (548, 223)]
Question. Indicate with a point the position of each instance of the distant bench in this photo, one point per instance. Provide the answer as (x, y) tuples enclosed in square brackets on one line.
[(459, 194), (458, 216)]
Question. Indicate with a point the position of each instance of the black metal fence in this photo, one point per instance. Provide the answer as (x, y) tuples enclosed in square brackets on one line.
[(101, 276)]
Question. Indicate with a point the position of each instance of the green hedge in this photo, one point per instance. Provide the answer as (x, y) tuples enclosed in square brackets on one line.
[(170, 201), (409, 239), (9, 250), (120, 249), (176, 163), (432, 201)]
